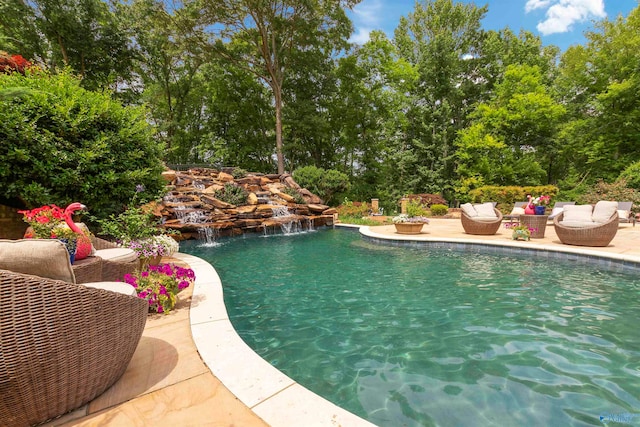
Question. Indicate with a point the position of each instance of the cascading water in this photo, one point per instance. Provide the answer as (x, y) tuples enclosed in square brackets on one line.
[(207, 234), (289, 223)]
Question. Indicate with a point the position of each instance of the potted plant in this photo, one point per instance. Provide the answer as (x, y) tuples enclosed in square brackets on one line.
[(519, 231), (48, 222), (135, 229), (412, 221), (538, 204), (159, 285)]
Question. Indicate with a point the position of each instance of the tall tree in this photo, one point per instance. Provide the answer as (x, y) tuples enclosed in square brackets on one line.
[(512, 140), (601, 82), (167, 69), (442, 39), (84, 35), (262, 35), (369, 112)]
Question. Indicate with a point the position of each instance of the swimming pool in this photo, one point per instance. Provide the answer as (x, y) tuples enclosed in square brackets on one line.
[(415, 337)]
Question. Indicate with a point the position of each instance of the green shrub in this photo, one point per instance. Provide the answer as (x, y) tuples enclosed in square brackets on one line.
[(617, 191), (324, 183), (359, 220), (297, 197), (132, 224), (415, 208), (508, 195), (632, 175), (353, 209), (239, 173), (60, 143), (232, 193), (439, 210)]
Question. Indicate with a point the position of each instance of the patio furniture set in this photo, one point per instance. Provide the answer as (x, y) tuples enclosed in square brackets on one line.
[(580, 225)]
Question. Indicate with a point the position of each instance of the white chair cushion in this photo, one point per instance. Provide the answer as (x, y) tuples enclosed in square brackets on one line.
[(485, 210), (517, 211), (39, 257), (485, 218), (603, 211), (577, 213), (622, 214), (556, 211), (119, 287), (117, 254), (469, 210), (579, 224)]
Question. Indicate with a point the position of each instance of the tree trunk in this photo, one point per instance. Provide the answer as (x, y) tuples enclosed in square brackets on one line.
[(277, 94)]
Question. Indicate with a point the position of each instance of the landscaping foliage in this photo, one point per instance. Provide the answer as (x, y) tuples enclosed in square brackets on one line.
[(617, 191), (631, 175), (159, 285), (507, 196), (444, 106), (297, 197), (232, 194), (415, 208), (439, 210), (349, 209), (61, 143), (327, 184)]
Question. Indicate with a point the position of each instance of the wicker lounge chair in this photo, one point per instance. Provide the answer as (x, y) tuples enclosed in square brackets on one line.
[(481, 227), (556, 209), (113, 269), (600, 235), (62, 344)]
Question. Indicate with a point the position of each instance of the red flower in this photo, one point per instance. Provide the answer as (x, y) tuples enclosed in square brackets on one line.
[(13, 63)]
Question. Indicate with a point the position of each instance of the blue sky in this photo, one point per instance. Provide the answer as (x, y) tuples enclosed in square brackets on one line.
[(558, 22)]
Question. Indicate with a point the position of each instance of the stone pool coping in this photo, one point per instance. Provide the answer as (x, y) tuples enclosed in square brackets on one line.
[(275, 397)]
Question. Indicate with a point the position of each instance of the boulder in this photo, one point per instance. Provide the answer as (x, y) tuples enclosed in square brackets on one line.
[(211, 189), (225, 177), (215, 202), (246, 209), (252, 199), (313, 207), (289, 182), (286, 197), (309, 197), (169, 176)]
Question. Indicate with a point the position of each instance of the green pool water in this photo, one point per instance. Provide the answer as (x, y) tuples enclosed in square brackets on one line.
[(419, 337)]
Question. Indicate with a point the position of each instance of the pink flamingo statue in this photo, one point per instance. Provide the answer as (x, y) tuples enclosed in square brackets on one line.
[(83, 246), (529, 209)]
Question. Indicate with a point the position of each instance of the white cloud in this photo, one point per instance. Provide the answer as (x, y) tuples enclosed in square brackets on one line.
[(366, 17), (361, 36), (536, 4), (562, 14)]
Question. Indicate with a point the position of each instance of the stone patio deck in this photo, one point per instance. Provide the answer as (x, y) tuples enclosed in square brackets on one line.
[(176, 375)]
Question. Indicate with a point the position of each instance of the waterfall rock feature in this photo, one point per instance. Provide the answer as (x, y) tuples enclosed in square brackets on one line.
[(191, 206)]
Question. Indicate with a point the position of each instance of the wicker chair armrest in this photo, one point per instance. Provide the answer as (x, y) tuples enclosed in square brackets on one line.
[(99, 243)]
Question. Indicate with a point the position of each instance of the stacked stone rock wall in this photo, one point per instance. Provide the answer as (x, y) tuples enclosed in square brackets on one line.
[(191, 205)]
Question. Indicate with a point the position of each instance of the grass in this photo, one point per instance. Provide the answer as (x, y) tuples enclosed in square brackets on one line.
[(359, 221)]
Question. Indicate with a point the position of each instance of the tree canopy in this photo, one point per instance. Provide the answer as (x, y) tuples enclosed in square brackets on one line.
[(443, 106)]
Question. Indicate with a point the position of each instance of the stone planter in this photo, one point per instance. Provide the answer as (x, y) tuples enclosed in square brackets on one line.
[(408, 227)]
